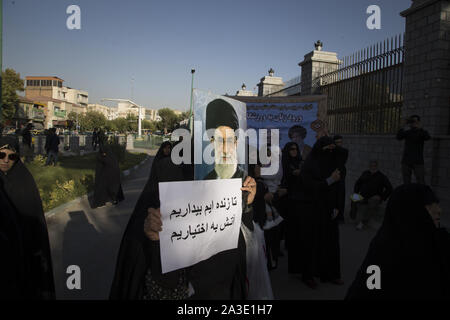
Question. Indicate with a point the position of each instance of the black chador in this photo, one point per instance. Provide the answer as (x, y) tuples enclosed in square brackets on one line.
[(301, 226), (20, 189), (324, 197), (107, 186), (12, 268), (138, 269), (412, 254)]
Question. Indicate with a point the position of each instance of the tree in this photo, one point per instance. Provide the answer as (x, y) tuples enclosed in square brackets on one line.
[(151, 125), (91, 120), (183, 116), (11, 83), (168, 119), (121, 124), (132, 122), (75, 118)]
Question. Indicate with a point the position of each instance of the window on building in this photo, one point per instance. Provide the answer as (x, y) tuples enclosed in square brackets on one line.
[(60, 84)]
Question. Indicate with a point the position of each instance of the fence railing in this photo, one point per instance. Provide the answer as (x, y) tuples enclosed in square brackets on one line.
[(365, 93), (148, 142)]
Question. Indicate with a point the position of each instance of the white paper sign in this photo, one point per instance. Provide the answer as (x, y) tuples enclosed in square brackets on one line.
[(200, 219)]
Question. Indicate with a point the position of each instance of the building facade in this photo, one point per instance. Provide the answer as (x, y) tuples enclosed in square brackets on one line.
[(58, 101)]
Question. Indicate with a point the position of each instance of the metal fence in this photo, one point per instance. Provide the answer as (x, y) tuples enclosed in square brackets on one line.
[(148, 142), (365, 93)]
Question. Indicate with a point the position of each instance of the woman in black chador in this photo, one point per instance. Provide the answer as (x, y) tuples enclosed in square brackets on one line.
[(23, 210), (107, 186), (138, 270), (12, 271), (301, 226), (164, 151), (320, 174), (410, 249)]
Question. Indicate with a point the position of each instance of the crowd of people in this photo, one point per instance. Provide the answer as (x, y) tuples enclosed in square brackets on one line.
[(302, 204)]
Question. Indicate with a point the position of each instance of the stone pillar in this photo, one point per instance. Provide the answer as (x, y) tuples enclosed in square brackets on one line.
[(130, 142), (316, 63), (244, 92), (88, 143), (426, 77), (269, 84), (38, 146), (74, 144)]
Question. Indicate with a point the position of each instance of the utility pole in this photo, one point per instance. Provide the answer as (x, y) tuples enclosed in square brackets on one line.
[(190, 108)]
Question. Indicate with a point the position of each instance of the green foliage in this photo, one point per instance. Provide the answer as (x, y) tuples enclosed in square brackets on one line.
[(92, 120), (73, 177), (183, 116), (11, 83), (120, 125), (149, 125), (168, 119)]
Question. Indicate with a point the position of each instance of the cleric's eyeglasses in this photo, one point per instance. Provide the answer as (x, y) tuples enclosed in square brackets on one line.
[(11, 156), (219, 140)]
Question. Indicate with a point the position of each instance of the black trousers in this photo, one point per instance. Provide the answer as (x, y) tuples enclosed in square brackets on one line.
[(419, 172)]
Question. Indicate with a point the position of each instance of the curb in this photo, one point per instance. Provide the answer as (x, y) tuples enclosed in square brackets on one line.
[(123, 174)]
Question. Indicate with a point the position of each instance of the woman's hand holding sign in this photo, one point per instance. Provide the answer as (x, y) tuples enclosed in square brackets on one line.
[(153, 224), (249, 185)]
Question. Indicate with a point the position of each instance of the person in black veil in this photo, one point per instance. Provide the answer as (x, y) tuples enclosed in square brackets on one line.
[(320, 174), (164, 151), (342, 157), (107, 187), (410, 249), (12, 268), (138, 269), (301, 231), (20, 189), (265, 215)]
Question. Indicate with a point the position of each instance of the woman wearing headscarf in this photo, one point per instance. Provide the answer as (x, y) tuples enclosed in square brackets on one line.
[(138, 273), (20, 189), (266, 216), (410, 249), (12, 268), (300, 232), (107, 186), (164, 151), (320, 174)]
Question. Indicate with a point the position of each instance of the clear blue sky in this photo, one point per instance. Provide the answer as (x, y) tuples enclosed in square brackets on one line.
[(157, 42)]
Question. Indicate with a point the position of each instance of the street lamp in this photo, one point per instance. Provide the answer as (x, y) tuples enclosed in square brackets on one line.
[(192, 93)]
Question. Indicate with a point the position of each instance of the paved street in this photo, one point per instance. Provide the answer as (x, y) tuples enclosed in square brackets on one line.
[(91, 239)]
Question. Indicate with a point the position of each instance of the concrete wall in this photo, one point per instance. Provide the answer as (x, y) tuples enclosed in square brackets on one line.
[(426, 77)]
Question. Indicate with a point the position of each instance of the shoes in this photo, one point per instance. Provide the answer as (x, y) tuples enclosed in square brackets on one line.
[(310, 283)]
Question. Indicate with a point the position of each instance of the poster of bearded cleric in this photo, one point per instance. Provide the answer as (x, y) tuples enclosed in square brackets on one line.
[(221, 122), (297, 121)]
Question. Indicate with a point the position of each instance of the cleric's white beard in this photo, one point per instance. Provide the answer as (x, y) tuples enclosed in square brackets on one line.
[(225, 171)]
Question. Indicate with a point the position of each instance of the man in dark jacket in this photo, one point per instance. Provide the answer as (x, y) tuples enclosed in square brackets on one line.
[(52, 147), (413, 153), (26, 142), (374, 187)]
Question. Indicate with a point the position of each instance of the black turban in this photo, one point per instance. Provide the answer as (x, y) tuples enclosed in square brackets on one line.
[(221, 113)]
